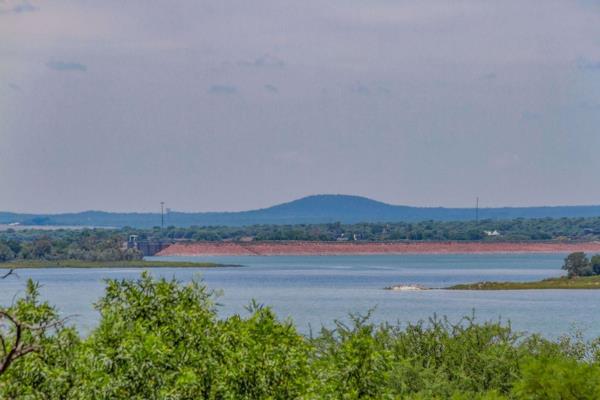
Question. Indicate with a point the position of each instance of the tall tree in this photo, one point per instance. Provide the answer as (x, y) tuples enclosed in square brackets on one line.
[(577, 264)]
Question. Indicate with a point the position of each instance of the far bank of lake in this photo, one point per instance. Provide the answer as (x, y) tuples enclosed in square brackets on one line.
[(351, 248), (29, 264), (584, 282)]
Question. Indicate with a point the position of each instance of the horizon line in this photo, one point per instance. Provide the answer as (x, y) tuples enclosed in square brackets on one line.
[(171, 210)]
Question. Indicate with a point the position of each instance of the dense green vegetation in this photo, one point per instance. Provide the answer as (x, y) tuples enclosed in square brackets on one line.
[(160, 339), (586, 282), (105, 244), (76, 249), (582, 273), (513, 230), (82, 245), (578, 264)]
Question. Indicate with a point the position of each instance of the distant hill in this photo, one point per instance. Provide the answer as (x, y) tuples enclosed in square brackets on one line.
[(307, 210)]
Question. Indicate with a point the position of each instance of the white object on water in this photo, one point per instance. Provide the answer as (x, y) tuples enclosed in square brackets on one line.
[(405, 288)]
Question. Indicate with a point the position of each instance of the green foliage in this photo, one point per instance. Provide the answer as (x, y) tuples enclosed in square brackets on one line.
[(6, 253), (41, 248), (261, 357), (104, 244), (558, 378), (162, 340), (46, 371), (353, 360), (434, 360), (509, 230), (595, 263), (159, 339), (141, 347), (563, 282), (85, 245), (577, 264)]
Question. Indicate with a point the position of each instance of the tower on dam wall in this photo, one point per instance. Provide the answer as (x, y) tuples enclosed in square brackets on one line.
[(147, 247)]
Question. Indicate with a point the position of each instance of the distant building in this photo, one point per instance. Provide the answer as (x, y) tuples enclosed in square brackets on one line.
[(132, 242), (148, 248), (492, 233)]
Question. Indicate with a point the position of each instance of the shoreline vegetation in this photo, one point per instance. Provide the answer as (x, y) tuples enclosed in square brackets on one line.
[(85, 249), (28, 264), (584, 282), (583, 272), (501, 227), (504, 230), (430, 237)]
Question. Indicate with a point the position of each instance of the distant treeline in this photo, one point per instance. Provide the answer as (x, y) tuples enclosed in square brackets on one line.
[(107, 244), (84, 245), (489, 230)]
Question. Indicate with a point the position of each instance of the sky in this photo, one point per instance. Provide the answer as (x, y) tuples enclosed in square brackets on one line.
[(235, 104)]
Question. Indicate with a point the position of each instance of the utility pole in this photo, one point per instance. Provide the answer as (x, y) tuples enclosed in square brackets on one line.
[(477, 210), (162, 214)]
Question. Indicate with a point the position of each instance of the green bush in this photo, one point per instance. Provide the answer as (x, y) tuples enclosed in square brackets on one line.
[(159, 339), (558, 378), (6, 253)]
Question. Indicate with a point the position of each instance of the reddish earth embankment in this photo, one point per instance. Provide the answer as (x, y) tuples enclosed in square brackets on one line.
[(345, 248)]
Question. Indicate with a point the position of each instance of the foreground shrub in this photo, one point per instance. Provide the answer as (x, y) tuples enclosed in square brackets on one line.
[(47, 371), (559, 378), (261, 357), (159, 339)]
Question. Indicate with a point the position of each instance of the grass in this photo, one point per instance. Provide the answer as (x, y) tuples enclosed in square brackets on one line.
[(587, 282), (106, 264)]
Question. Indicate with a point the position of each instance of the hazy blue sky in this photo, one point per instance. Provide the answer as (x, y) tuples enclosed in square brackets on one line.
[(229, 105)]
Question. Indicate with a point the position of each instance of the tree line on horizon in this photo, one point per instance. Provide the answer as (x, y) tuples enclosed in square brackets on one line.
[(484, 230), (84, 245), (107, 244)]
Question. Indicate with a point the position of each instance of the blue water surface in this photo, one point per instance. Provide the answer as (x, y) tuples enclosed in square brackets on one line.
[(315, 290)]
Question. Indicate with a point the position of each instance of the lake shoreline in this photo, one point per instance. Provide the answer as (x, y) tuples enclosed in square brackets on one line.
[(29, 264), (304, 248), (578, 283)]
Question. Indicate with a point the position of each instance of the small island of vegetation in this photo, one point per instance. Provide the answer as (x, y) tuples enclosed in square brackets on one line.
[(582, 273)]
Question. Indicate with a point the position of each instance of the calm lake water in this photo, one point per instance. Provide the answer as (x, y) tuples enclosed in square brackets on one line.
[(315, 290)]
